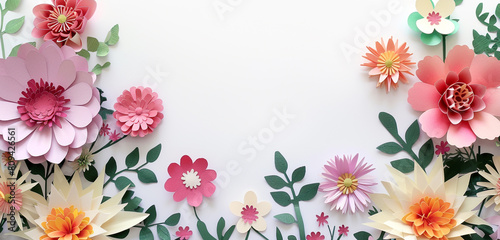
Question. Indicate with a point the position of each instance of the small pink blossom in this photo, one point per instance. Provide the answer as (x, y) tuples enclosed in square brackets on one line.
[(184, 233), (442, 148), (315, 236), (321, 219), (114, 136), (343, 230), (104, 131)]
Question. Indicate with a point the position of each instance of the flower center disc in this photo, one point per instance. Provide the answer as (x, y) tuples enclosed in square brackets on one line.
[(61, 19), (249, 214), (191, 179), (10, 197), (434, 18), (347, 183), (389, 63), (431, 217), (459, 97)]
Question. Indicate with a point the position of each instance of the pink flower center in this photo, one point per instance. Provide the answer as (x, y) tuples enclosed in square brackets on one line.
[(434, 18), (459, 97), (498, 187), (42, 103), (138, 111), (62, 19), (249, 214), (10, 196)]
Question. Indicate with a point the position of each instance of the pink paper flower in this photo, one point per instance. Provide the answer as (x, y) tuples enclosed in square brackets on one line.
[(347, 186), (321, 219), (184, 233), (63, 21), (315, 236), (460, 97), (138, 111), (114, 136), (104, 131), (343, 230), (442, 148), (190, 180), (49, 102)]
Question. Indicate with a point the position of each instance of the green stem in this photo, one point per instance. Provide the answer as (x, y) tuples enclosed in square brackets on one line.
[(406, 148), (444, 47), (381, 237), (248, 234), (3, 12), (340, 235), (196, 214), (109, 144), (296, 207), (47, 175), (481, 207), (258, 233), (331, 232), (124, 170)]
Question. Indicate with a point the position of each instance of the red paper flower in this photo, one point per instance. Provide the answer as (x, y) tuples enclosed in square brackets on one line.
[(315, 236), (184, 233), (114, 136), (138, 111), (190, 180), (442, 148), (63, 21), (460, 97), (322, 219), (343, 230)]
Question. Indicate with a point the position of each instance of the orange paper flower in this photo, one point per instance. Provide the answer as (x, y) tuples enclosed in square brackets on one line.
[(390, 62), (431, 217), (67, 223)]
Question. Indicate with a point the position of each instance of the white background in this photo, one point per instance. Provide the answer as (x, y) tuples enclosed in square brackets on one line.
[(224, 73)]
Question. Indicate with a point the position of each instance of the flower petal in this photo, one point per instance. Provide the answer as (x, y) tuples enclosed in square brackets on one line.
[(424, 7), (431, 69), (420, 103), (434, 123), (79, 94), (485, 125), (79, 116), (445, 7), (492, 100), (425, 26), (461, 135), (65, 134), (486, 71), (40, 142)]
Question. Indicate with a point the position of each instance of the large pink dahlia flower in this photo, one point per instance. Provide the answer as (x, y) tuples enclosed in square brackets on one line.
[(460, 97), (49, 104), (63, 21)]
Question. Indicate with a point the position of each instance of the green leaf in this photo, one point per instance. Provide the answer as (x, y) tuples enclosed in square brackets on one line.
[(286, 218), (112, 37), (173, 219), (479, 10), (275, 182), (389, 123), (404, 165), (308, 192), (412, 134), (146, 234), (153, 154), (84, 53), (432, 39), (14, 50), (36, 169), (362, 235), (291, 237), (202, 229), (298, 174), (281, 198), (91, 174), (12, 5), (121, 235), (390, 148), (497, 10), (104, 112), (279, 236), (220, 227), (14, 25), (110, 168), (491, 25), (480, 43), (280, 162), (152, 215), (132, 158), (123, 182), (102, 50), (147, 176), (98, 68), (229, 232), (458, 2), (92, 44), (426, 153), (412, 21), (133, 205), (163, 232)]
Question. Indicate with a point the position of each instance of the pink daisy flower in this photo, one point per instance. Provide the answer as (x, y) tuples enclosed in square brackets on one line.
[(63, 21), (343, 230), (321, 219), (49, 99), (190, 180), (184, 233), (442, 148), (347, 186), (138, 111), (315, 236)]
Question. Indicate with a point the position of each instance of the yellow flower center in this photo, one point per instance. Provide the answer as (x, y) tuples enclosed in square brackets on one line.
[(389, 63), (347, 183), (5, 197), (431, 218), (61, 18), (67, 223)]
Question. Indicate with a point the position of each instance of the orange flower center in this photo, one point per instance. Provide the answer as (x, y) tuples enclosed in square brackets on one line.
[(347, 183), (67, 224), (389, 63), (431, 217)]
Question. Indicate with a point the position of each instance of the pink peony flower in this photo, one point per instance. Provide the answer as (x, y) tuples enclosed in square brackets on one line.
[(322, 219), (190, 180), (49, 102), (184, 233), (460, 97), (315, 236), (138, 111), (63, 21)]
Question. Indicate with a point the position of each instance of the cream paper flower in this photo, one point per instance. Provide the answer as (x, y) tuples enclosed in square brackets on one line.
[(435, 17), (251, 213), (74, 212), (493, 184), (425, 207)]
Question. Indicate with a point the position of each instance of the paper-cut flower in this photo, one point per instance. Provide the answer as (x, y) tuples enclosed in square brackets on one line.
[(138, 111), (104, 131), (425, 207), (15, 196), (493, 185), (251, 213), (343, 230), (49, 100), (460, 97), (69, 205), (494, 220), (442, 148), (8, 159), (322, 219), (190, 180), (432, 21), (83, 162), (347, 186), (184, 233), (63, 21), (114, 136), (390, 62), (315, 236)]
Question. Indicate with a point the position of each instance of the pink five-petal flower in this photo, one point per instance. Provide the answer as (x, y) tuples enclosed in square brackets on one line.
[(459, 98), (347, 185), (321, 219), (184, 233), (442, 148), (190, 180), (138, 111), (49, 102), (315, 236), (343, 230), (63, 21)]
